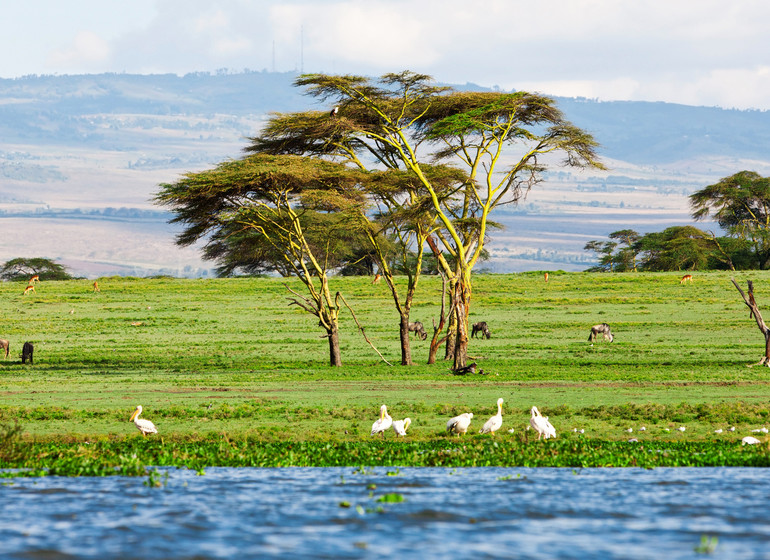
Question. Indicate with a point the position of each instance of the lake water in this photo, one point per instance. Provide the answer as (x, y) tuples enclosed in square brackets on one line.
[(335, 513)]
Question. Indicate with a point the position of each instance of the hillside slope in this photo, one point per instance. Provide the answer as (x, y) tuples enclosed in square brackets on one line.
[(80, 155)]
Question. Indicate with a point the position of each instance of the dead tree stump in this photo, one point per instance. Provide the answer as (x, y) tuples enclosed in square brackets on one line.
[(754, 312)]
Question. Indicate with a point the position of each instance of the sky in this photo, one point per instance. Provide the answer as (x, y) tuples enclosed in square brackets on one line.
[(694, 52)]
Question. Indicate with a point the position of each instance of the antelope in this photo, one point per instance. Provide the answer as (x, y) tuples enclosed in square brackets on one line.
[(686, 278), (546, 277), (376, 279), (5, 345), (96, 286), (603, 329), (35, 278), (28, 289)]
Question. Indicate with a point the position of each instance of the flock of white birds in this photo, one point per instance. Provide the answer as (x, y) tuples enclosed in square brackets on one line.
[(460, 424)]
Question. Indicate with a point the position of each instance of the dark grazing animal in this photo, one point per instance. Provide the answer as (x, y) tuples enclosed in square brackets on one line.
[(5, 345), (481, 327), (603, 329), (418, 330), (26, 352)]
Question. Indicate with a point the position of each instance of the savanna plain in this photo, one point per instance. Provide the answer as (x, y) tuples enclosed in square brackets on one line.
[(232, 375)]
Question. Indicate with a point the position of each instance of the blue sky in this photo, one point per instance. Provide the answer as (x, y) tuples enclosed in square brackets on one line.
[(704, 52)]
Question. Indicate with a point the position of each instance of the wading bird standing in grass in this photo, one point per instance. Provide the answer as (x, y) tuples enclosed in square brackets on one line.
[(144, 426), (401, 426), (494, 423), (459, 424), (383, 423), (541, 424)]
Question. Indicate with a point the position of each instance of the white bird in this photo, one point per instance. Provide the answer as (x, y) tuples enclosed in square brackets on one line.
[(582, 430), (383, 423), (541, 424), (718, 431), (629, 430), (144, 426), (333, 112), (401, 426), (682, 428), (459, 424), (749, 440), (732, 428), (642, 429), (756, 431), (763, 430), (495, 422)]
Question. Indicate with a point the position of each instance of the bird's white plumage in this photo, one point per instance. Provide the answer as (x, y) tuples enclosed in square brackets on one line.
[(541, 424), (494, 423), (144, 426), (401, 426), (459, 424), (749, 440), (383, 423)]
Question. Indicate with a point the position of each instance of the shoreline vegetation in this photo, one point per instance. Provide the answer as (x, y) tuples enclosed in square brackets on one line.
[(233, 376)]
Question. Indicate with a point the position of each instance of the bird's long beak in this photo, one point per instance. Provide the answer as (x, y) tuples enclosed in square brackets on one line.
[(133, 415)]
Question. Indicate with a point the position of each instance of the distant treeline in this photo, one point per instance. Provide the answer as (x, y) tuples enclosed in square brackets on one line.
[(108, 213)]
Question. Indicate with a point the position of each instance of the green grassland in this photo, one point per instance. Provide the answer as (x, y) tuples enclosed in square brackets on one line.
[(229, 360)]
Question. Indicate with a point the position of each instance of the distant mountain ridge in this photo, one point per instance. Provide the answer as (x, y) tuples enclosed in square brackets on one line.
[(52, 108), (82, 156)]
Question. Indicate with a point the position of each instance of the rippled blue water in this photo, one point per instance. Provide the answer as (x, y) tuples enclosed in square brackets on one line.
[(448, 513)]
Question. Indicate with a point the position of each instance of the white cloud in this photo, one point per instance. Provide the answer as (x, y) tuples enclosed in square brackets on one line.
[(688, 51), (86, 50)]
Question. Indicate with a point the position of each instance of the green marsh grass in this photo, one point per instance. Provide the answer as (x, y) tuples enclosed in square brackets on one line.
[(229, 359)]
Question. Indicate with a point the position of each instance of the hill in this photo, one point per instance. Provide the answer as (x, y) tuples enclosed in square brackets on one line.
[(81, 156)]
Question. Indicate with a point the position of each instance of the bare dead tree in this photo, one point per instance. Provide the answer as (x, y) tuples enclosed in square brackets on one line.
[(754, 310)]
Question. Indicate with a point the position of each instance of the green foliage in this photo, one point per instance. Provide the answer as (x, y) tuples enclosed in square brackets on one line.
[(231, 375), (22, 269)]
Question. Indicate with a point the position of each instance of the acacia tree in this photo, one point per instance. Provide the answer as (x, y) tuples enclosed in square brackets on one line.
[(404, 121), (741, 206), (303, 209), (21, 269), (403, 216)]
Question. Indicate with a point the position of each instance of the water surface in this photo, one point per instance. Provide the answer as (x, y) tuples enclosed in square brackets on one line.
[(335, 513)]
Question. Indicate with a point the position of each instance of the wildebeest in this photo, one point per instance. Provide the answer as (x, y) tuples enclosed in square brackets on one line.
[(481, 327), (418, 330), (5, 345), (26, 352), (603, 329)]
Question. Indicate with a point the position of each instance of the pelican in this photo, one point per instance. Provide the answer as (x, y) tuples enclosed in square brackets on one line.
[(494, 423), (749, 440), (144, 426), (383, 423), (541, 424), (401, 426), (459, 424)]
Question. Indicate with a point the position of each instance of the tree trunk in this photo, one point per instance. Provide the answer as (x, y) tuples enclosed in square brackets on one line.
[(406, 349), (460, 302), (435, 342), (335, 357), (451, 335)]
